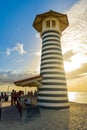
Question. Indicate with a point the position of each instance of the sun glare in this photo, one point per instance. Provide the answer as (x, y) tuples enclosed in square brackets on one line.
[(69, 66), (75, 62), (71, 96)]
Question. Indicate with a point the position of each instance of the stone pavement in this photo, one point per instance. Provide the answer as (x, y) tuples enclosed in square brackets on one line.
[(11, 119), (9, 113)]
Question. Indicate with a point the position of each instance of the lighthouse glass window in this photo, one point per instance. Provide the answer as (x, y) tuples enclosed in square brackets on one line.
[(48, 23), (53, 23)]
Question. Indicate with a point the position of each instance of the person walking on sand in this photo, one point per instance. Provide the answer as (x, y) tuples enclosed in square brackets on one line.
[(0, 107)]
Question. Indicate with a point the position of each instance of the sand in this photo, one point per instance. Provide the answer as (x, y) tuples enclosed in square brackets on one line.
[(74, 118)]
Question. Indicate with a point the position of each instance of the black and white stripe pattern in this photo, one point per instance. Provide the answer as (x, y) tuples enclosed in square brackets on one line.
[(53, 93)]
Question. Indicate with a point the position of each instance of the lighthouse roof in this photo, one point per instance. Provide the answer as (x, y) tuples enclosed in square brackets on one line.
[(63, 20)]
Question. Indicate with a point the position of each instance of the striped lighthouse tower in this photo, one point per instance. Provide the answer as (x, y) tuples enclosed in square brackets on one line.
[(53, 92)]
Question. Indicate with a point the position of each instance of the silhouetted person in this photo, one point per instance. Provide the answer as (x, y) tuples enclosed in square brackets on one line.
[(15, 97), (12, 97), (2, 95), (0, 108), (6, 96)]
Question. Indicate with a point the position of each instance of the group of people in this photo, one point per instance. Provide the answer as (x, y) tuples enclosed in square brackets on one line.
[(4, 96), (31, 93), (15, 95), (0, 107)]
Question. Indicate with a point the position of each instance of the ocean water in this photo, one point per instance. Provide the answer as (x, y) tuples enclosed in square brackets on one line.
[(78, 97)]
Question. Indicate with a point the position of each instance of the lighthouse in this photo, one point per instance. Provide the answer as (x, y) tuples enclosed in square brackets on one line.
[(53, 91)]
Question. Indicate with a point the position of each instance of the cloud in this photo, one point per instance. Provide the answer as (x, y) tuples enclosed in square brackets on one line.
[(19, 48), (11, 76), (37, 53), (74, 41), (68, 55), (74, 45), (80, 72), (37, 35), (75, 36), (8, 51)]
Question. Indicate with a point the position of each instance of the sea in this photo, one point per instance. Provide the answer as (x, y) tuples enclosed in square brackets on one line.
[(78, 97)]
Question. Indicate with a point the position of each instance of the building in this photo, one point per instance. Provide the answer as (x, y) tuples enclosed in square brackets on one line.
[(53, 91)]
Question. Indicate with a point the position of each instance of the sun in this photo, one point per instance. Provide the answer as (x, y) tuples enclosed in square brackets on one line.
[(74, 63), (70, 66)]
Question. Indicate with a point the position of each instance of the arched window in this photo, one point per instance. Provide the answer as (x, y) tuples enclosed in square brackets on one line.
[(48, 23), (53, 23)]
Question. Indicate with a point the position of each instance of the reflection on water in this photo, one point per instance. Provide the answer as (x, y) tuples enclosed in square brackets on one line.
[(78, 97)]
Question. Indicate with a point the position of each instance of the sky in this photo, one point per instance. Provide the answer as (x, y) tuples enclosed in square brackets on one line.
[(20, 43)]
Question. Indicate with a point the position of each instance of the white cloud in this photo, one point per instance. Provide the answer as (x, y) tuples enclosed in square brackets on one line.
[(19, 48), (37, 35), (75, 36), (76, 33), (38, 53), (11, 76), (8, 51)]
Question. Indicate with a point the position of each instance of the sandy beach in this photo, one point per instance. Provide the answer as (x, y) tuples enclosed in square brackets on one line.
[(74, 118)]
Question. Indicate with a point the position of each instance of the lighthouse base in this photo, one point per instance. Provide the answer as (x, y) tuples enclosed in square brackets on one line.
[(55, 107)]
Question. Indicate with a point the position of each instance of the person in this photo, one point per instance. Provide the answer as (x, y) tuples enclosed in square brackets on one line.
[(12, 97), (6, 96), (15, 97), (0, 107), (2, 96)]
